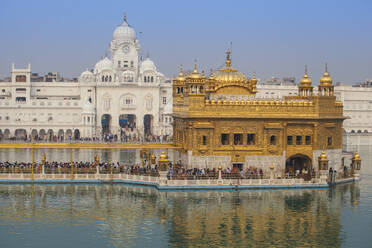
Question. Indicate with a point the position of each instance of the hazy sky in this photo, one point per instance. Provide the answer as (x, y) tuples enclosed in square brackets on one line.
[(273, 38)]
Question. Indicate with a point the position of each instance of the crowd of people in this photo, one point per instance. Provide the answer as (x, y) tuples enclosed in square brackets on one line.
[(108, 137), (174, 172)]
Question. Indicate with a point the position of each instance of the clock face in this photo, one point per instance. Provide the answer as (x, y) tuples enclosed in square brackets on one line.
[(126, 49)]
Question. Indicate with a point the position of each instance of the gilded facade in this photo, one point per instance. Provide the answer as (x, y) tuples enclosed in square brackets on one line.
[(219, 120)]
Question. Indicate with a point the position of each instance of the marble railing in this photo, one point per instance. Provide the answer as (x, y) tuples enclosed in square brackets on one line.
[(155, 181)]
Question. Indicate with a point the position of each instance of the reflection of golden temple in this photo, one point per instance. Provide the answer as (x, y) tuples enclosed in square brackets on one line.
[(219, 120)]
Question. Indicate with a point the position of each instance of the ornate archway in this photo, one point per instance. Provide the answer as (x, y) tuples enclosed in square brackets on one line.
[(299, 165)]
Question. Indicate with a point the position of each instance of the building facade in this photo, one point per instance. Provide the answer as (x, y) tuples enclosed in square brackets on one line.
[(122, 96), (221, 120), (357, 102)]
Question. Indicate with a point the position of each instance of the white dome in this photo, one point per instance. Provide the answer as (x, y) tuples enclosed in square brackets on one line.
[(124, 32), (86, 73), (88, 108), (86, 76), (147, 65), (104, 64)]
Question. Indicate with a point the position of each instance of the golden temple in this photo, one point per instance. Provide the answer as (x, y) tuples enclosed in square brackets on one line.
[(218, 120)]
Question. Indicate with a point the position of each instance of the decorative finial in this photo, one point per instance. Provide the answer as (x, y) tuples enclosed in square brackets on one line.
[(326, 67), (147, 55), (125, 16), (228, 60), (254, 74), (195, 69), (181, 71), (305, 70), (106, 54)]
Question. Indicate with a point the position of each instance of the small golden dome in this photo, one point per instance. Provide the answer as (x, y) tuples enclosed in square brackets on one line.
[(163, 157), (180, 77), (356, 156), (306, 80), (326, 79), (254, 79), (195, 74), (323, 157)]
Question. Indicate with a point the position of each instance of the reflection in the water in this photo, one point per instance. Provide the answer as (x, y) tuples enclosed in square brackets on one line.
[(122, 214)]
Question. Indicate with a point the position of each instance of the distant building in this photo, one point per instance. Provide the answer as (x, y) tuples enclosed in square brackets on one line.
[(52, 77), (120, 96)]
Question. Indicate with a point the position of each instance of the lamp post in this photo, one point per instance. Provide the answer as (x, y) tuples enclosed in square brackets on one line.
[(111, 164), (271, 173), (96, 159), (32, 166), (72, 165), (43, 159)]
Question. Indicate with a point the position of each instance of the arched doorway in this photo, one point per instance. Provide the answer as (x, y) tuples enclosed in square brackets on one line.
[(69, 134), (148, 123), (20, 134), (299, 165), (42, 134), (6, 134), (127, 121), (76, 134), (106, 124), (50, 135), (60, 134), (1, 135), (34, 134)]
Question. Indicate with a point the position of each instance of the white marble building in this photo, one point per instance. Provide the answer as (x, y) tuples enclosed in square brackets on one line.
[(120, 95), (357, 103)]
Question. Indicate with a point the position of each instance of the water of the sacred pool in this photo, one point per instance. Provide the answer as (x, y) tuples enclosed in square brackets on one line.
[(105, 215)]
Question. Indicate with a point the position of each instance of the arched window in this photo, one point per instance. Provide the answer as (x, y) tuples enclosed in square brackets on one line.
[(110, 78), (88, 119), (273, 140), (144, 79), (152, 79), (201, 89), (103, 78)]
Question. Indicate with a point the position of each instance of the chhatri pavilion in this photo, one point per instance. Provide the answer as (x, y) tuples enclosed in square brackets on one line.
[(218, 120)]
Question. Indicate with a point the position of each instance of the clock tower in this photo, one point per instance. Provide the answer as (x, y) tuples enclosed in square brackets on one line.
[(124, 50)]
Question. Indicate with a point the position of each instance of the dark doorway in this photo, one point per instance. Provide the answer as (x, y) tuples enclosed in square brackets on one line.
[(106, 123), (148, 122), (237, 167), (299, 166)]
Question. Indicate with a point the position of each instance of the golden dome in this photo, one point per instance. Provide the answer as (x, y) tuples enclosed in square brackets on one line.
[(180, 77), (306, 80), (195, 74), (254, 79), (163, 157), (323, 157), (356, 156), (229, 74), (326, 79)]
